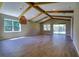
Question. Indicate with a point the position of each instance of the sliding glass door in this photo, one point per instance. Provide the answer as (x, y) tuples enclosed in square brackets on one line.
[(59, 28)]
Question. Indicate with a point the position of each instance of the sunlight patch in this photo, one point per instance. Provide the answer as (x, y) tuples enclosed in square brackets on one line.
[(17, 38)]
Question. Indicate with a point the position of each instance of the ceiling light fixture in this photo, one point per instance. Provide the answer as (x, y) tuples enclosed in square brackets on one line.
[(23, 20)]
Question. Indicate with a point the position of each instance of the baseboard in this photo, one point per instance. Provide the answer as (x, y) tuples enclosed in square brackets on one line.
[(76, 47)]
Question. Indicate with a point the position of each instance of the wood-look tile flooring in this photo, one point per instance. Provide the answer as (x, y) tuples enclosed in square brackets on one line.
[(38, 46)]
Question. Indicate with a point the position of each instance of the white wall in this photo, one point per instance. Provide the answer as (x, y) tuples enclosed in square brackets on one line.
[(0, 26), (27, 29), (76, 27), (54, 21)]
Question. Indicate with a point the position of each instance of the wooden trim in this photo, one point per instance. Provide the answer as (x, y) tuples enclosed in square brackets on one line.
[(25, 11), (60, 11)]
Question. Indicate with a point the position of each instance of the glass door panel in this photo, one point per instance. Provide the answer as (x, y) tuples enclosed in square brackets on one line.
[(59, 28)]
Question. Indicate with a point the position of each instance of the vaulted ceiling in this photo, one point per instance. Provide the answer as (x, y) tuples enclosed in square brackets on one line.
[(38, 11)]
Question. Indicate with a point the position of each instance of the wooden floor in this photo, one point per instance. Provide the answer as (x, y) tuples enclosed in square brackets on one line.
[(38, 46)]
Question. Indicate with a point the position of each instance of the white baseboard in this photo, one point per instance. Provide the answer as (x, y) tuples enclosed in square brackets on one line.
[(76, 47)]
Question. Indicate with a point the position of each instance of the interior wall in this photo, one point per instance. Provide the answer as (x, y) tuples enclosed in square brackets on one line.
[(68, 26), (1, 3), (28, 29), (0, 26), (76, 27), (71, 28), (34, 29)]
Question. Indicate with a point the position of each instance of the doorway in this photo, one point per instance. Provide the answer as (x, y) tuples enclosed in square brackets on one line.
[(59, 28)]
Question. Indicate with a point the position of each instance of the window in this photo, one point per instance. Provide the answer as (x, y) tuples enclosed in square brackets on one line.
[(12, 25), (59, 28), (46, 27)]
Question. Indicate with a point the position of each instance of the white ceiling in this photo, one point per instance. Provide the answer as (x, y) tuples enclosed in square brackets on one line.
[(16, 8), (62, 14), (39, 17), (45, 19), (58, 6), (31, 13), (13, 8)]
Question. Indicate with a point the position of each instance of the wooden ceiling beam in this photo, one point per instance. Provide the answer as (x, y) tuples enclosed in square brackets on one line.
[(62, 19), (47, 12), (27, 9), (62, 16), (55, 19), (39, 9), (43, 3), (60, 11)]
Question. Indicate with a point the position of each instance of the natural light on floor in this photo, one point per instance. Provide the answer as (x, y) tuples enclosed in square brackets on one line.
[(59, 28), (17, 38)]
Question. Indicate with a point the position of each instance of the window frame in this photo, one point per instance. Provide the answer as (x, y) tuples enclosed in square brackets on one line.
[(12, 25), (47, 27)]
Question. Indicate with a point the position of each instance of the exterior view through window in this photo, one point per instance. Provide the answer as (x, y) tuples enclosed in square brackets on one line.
[(46, 27), (12, 25), (59, 28)]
